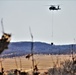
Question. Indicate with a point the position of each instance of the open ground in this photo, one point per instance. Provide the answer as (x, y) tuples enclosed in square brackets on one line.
[(44, 62)]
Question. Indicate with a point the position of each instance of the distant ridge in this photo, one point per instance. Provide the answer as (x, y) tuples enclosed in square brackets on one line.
[(23, 48)]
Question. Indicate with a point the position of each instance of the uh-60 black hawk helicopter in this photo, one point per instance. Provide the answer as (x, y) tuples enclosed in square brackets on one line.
[(54, 7)]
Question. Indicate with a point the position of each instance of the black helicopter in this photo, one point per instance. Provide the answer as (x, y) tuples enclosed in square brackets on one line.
[(54, 7)]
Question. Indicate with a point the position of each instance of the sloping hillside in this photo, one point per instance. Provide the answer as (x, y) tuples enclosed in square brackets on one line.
[(22, 48)]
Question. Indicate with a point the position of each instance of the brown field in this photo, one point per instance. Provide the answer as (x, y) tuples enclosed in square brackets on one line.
[(44, 62)]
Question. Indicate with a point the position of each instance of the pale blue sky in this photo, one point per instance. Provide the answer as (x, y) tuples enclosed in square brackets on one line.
[(18, 15)]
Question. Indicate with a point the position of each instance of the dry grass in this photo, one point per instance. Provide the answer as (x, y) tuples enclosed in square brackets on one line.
[(44, 62)]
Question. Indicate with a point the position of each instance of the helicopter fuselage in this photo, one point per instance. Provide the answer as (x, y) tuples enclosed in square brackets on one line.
[(54, 8)]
